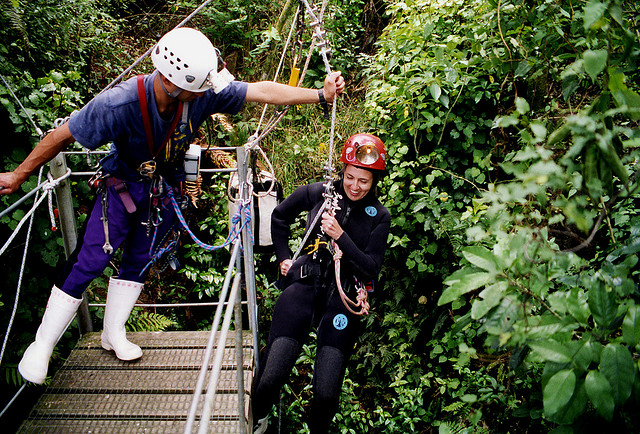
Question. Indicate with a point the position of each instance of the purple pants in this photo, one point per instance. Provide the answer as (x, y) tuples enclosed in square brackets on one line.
[(124, 227)]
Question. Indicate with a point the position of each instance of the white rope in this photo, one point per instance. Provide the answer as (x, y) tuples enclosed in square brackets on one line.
[(277, 74), (24, 258), (12, 400), (48, 189)]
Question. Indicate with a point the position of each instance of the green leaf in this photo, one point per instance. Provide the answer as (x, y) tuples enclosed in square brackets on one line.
[(621, 93), (587, 353), (522, 106), (551, 351), (617, 365), (481, 257), (594, 62), (522, 69), (558, 391), (489, 298), (506, 121), (577, 305), (631, 326), (460, 287), (593, 12), (603, 304), (599, 392), (576, 406), (435, 91)]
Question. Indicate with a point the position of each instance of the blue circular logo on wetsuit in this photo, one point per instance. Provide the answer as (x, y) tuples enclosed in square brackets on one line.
[(371, 211), (340, 321)]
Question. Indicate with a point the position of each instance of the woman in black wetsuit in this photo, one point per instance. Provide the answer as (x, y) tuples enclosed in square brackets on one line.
[(359, 227)]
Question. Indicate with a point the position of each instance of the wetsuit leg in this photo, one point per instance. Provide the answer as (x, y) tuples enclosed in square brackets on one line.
[(290, 326), (337, 334)]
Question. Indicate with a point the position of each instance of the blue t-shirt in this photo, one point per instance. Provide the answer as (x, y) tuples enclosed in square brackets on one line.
[(115, 116)]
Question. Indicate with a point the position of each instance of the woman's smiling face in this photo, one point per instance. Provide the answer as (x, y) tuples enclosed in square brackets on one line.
[(357, 182)]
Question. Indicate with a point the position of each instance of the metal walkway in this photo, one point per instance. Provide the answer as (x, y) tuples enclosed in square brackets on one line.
[(94, 392)]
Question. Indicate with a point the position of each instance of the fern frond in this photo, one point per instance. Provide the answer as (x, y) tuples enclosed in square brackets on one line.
[(15, 17), (11, 376), (454, 406), (149, 322)]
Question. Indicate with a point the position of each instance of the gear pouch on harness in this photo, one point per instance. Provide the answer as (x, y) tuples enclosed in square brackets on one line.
[(267, 194)]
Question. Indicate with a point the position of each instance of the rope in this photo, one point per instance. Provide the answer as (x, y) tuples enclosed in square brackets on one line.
[(244, 210), (361, 298), (319, 40), (13, 399), (35, 127), (237, 225), (22, 265), (278, 69), (48, 187)]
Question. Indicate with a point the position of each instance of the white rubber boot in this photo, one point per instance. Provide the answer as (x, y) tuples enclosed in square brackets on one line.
[(261, 426), (121, 296), (61, 308)]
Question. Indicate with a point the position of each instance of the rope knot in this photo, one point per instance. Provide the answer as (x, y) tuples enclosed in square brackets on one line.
[(53, 183)]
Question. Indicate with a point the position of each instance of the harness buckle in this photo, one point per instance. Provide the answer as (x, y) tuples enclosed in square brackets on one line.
[(147, 168), (309, 270), (96, 182)]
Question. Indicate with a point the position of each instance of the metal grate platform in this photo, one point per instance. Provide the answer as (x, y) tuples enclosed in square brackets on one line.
[(94, 392)]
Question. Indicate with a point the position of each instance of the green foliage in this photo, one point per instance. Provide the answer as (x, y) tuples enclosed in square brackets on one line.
[(532, 286), (512, 129)]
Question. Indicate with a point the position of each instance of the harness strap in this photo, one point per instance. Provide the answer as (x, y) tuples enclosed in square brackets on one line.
[(121, 188), (142, 98)]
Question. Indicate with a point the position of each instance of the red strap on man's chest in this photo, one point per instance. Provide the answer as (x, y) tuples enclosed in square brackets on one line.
[(144, 108)]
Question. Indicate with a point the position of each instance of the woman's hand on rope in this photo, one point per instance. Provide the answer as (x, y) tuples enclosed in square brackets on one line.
[(330, 226), (333, 85), (285, 266)]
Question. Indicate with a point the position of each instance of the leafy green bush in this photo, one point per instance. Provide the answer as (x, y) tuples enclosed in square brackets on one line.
[(505, 123)]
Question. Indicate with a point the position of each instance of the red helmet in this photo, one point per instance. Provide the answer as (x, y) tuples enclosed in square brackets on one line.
[(364, 150)]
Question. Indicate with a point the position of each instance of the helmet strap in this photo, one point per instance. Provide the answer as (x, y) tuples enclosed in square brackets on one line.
[(172, 95)]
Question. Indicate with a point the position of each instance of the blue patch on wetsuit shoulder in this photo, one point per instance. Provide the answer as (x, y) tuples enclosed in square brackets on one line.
[(371, 211)]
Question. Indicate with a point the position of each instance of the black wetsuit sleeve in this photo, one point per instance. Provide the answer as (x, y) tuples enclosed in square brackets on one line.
[(367, 261), (283, 216)]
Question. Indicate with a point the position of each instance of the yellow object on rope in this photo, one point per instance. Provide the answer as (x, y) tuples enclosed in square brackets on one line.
[(293, 78), (361, 298)]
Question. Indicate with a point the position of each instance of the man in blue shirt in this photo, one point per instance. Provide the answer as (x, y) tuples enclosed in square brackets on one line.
[(150, 121)]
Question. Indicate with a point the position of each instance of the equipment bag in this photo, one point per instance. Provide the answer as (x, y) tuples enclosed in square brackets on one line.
[(263, 205)]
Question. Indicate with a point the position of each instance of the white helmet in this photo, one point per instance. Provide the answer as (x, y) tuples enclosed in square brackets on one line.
[(187, 59)]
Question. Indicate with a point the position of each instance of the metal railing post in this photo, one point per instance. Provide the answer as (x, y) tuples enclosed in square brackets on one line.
[(58, 167), (249, 271), (240, 363)]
